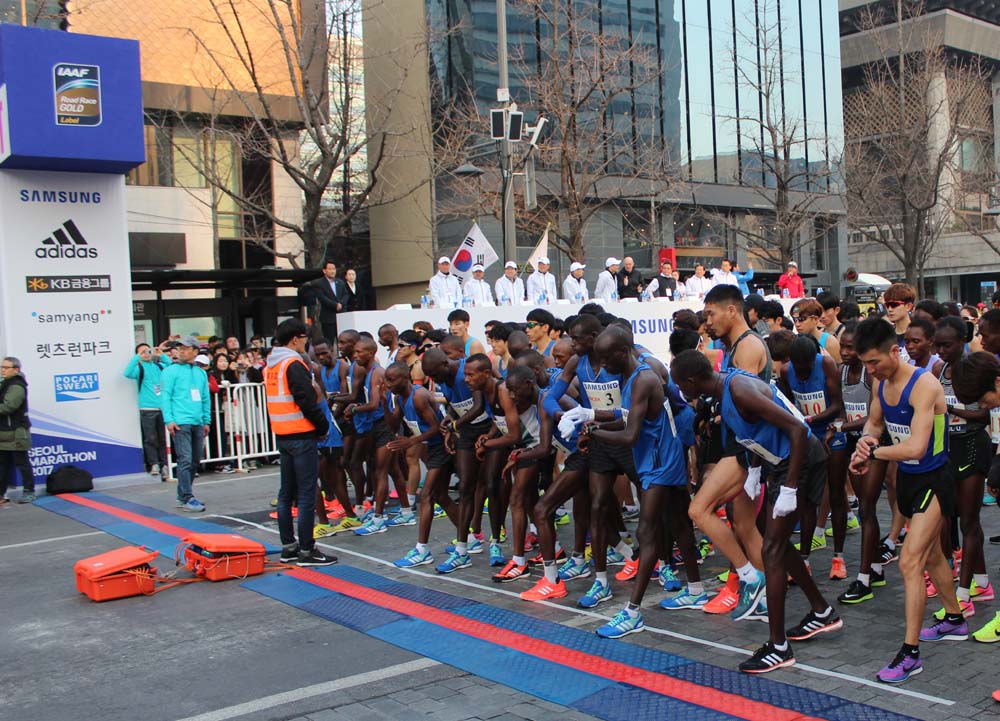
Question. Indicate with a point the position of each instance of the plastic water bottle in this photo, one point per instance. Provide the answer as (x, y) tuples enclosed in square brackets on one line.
[(504, 300), (579, 298), (424, 304), (785, 293), (839, 440), (645, 296), (614, 296), (542, 299)]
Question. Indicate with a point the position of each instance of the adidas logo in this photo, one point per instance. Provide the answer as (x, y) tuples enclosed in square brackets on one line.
[(66, 242)]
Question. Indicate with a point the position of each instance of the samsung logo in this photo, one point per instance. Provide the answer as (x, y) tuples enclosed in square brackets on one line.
[(75, 197), (653, 325)]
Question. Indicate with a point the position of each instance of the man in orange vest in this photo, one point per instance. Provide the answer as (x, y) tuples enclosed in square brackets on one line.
[(298, 422)]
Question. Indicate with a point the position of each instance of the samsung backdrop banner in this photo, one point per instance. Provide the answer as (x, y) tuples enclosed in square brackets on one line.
[(70, 125)]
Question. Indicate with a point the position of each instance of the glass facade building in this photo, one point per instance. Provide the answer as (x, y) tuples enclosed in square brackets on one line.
[(721, 73)]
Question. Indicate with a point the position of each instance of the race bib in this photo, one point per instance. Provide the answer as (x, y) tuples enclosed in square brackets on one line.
[(754, 447), (465, 406), (501, 422), (789, 406), (603, 396), (561, 446), (955, 424), (899, 433), (995, 424), (625, 416), (810, 403), (156, 390), (196, 395), (413, 426), (855, 411)]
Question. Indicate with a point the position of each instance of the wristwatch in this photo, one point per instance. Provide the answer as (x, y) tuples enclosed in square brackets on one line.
[(872, 453)]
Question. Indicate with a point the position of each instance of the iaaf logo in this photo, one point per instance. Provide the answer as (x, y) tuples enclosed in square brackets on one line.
[(66, 242)]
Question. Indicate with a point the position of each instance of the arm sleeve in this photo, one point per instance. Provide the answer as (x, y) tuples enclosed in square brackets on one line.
[(132, 369), (300, 384), (206, 401), (167, 401), (330, 303), (748, 276), (13, 400), (551, 401)]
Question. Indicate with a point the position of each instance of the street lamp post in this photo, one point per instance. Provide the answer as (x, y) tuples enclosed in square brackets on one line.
[(508, 223)]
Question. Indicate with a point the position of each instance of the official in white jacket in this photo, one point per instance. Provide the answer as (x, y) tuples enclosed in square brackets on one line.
[(509, 288), (542, 283), (446, 290), (607, 281), (575, 286), (476, 289)]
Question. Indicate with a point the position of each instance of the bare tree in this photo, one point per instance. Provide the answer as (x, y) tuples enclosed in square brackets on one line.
[(289, 96), (602, 147), (794, 206), (903, 127)]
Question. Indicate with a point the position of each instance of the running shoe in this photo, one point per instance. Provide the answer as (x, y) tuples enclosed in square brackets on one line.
[(497, 558), (454, 562), (511, 572), (759, 613), (968, 610), (473, 545), (812, 625), (414, 558), (367, 513), (723, 602), (838, 569), (545, 590), (768, 658), (853, 524), (945, 630), (321, 530), (439, 512), (981, 594), (30, 498), (615, 558), (853, 503), (371, 527), (289, 554), (628, 570), (315, 557), (750, 595), (705, 549), (562, 517), (274, 503), (403, 519), (818, 544), (573, 569), (345, 524), (630, 514), (598, 594), (988, 499), (857, 592), (900, 668), (684, 600), (887, 555), (723, 577), (990, 633), (192, 506), (537, 559), (878, 579), (621, 625), (929, 586), (530, 539), (996, 696), (668, 580)]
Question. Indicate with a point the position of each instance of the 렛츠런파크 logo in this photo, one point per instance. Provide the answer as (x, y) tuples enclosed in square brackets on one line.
[(77, 94)]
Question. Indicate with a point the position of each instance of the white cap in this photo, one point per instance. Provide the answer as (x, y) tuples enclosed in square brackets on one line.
[(611, 261), (444, 259), (544, 259), (793, 263), (203, 360), (510, 264), (478, 268), (573, 267)]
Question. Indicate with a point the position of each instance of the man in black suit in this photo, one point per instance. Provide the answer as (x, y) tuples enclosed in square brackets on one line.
[(329, 292)]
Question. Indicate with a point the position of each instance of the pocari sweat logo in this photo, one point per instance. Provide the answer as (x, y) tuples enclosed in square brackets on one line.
[(77, 387)]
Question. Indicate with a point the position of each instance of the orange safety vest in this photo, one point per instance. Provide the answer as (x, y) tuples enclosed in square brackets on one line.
[(285, 414)]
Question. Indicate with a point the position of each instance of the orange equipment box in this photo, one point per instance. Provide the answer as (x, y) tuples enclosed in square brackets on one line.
[(221, 556), (116, 574)]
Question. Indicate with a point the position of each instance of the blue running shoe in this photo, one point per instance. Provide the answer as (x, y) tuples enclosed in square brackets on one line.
[(454, 563), (615, 558), (366, 516), (750, 595), (684, 600), (571, 569), (439, 512), (414, 558), (474, 545), (496, 554), (371, 527), (598, 594), (403, 519), (668, 580), (621, 625)]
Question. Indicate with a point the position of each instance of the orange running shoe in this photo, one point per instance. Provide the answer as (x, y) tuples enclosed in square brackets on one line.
[(723, 602), (511, 572), (838, 571), (996, 696), (545, 590), (628, 570)]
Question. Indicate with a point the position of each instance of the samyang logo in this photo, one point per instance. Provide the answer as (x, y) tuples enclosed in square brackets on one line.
[(77, 94), (66, 242)]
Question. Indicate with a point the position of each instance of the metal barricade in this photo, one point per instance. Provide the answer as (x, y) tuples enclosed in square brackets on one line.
[(240, 432)]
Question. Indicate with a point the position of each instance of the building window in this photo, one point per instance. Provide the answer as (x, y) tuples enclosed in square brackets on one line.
[(637, 235)]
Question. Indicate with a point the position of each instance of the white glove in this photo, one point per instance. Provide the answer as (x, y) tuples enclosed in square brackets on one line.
[(752, 485), (574, 417), (786, 503)]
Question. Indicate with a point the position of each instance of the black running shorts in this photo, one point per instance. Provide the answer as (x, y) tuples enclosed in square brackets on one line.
[(914, 491)]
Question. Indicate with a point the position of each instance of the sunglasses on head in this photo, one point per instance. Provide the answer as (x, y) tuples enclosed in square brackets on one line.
[(894, 303)]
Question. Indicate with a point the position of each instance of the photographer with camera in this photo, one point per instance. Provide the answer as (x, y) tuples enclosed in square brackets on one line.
[(145, 368)]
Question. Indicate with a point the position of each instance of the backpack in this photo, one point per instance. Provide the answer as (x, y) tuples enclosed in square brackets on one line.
[(69, 479)]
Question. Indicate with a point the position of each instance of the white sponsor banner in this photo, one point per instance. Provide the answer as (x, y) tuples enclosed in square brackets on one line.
[(66, 313)]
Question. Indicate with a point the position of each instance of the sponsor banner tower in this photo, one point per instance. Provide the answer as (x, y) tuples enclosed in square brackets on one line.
[(71, 125)]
